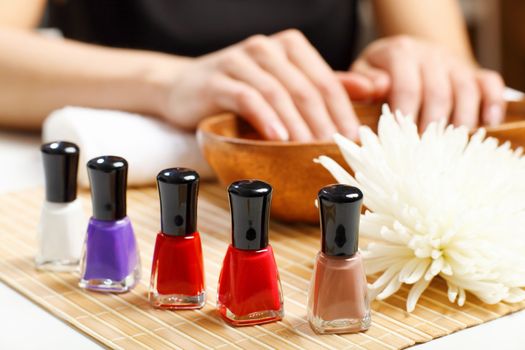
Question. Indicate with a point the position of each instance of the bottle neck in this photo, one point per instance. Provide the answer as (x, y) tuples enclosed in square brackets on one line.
[(323, 255), (125, 221), (251, 251), (188, 236)]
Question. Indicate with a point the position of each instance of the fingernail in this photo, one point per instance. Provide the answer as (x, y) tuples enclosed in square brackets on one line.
[(277, 131), (494, 115)]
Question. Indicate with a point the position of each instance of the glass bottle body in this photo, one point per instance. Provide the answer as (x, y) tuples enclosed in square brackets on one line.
[(61, 232), (338, 297), (177, 273), (110, 260), (249, 289)]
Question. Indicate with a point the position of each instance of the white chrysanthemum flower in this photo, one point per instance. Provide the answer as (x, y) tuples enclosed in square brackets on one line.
[(442, 203)]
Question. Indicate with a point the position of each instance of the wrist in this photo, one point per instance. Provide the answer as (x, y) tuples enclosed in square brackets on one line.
[(156, 82)]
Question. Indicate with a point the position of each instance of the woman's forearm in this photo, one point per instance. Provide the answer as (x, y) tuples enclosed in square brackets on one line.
[(437, 21), (39, 74)]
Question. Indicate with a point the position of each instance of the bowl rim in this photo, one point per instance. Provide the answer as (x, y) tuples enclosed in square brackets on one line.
[(205, 125)]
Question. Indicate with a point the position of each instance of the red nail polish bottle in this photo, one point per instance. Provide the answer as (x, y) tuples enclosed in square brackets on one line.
[(177, 273), (249, 289)]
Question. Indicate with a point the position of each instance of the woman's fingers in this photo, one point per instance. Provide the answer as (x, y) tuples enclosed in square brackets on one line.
[(466, 97), (406, 86), (493, 106), (241, 67), (357, 86), (236, 96), (379, 79), (437, 92), (430, 83), (306, 97), (400, 58), (332, 93), (284, 88)]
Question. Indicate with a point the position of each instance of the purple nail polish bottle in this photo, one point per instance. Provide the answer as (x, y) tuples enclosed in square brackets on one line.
[(110, 261)]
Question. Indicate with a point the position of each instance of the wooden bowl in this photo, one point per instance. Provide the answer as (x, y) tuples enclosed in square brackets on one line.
[(235, 151)]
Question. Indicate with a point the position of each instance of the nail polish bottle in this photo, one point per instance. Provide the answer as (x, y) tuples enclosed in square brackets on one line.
[(338, 298), (62, 224), (110, 261), (249, 290), (177, 272)]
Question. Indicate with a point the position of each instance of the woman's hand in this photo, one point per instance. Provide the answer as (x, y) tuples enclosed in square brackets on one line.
[(426, 80), (279, 83)]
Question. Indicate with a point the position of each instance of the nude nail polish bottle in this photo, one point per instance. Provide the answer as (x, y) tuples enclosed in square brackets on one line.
[(62, 222), (338, 298)]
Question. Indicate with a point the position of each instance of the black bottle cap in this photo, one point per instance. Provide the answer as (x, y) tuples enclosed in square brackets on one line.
[(60, 168), (340, 209), (108, 177), (250, 211), (178, 189)]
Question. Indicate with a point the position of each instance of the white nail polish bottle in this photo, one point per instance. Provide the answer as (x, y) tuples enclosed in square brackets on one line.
[(62, 224)]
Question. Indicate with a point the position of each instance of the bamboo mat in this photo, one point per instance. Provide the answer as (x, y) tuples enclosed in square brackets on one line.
[(127, 320)]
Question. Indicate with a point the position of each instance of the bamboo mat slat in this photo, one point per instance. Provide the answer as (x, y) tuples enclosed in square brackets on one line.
[(127, 320)]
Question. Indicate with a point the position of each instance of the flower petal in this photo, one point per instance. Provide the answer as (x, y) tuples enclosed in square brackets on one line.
[(415, 293)]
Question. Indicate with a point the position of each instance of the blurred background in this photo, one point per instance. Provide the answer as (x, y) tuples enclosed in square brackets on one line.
[(497, 33)]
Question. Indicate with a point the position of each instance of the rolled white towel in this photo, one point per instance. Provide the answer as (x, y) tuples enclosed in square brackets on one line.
[(147, 144)]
